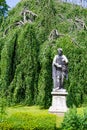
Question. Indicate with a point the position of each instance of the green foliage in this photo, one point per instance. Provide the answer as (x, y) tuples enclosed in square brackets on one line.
[(26, 53), (74, 121), (3, 10), (45, 80), (3, 105), (7, 62), (24, 85), (31, 120), (84, 120)]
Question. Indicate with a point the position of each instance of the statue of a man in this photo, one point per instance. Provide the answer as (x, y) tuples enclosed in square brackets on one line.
[(59, 70)]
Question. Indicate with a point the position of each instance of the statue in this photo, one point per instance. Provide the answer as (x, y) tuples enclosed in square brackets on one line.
[(59, 70)]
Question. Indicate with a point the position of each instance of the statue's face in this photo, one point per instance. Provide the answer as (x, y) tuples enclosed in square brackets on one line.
[(60, 52)]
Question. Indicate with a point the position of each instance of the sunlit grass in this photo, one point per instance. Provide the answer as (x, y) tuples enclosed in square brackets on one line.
[(27, 109), (59, 120), (80, 110)]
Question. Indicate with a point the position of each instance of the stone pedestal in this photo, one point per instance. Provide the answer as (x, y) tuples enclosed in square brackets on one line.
[(58, 101)]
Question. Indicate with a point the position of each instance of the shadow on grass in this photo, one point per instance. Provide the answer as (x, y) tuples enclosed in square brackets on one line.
[(58, 128)]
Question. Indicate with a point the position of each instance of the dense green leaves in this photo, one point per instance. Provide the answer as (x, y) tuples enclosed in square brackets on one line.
[(26, 52), (28, 118), (3, 10), (74, 121)]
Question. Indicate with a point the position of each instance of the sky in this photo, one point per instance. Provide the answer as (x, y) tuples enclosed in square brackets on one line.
[(12, 3)]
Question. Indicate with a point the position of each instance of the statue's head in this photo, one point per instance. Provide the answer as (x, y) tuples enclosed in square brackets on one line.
[(60, 51)]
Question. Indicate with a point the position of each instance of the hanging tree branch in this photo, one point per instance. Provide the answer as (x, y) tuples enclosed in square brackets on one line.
[(20, 23), (81, 23), (28, 16), (54, 35)]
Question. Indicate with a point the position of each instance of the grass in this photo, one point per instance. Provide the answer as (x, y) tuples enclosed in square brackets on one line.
[(27, 109)]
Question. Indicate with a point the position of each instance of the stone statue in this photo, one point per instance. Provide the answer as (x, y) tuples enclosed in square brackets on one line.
[(59, 70)]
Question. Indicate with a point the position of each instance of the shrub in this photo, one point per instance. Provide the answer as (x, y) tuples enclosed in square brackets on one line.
[(2, 109), (84, 120), (74, 121), (29, 121)]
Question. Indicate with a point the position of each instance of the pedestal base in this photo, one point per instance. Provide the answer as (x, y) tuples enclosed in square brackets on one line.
[(59, 101)]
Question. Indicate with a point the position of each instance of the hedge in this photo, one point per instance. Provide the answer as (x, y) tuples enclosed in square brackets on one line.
[(29, 121), (74, 120)]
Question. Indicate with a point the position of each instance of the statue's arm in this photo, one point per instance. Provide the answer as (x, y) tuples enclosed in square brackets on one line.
[(56, 64), (65, 59), (66, 68)]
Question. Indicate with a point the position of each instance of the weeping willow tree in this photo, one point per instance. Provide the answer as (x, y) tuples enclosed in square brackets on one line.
[(26, 52)]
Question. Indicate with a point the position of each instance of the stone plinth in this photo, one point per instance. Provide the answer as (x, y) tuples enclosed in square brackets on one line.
[(58, 101)]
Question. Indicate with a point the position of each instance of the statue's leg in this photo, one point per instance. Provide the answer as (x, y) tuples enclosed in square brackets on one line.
[(62, 81), (58, 82), (55, 82)]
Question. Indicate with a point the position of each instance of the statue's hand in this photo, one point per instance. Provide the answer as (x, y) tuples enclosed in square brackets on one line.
[(59, 66)]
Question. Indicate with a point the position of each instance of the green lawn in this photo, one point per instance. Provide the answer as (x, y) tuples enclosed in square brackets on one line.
[(27, 109)]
